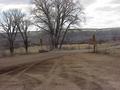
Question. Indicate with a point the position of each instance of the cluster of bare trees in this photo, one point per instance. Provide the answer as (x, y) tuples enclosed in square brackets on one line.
[(55, 17), (14, 21)]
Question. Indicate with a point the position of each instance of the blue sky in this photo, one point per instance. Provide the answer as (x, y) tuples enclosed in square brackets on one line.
[(99, 13)]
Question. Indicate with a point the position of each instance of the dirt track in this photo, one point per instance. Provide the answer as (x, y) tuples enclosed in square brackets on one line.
[(66, 71), (10, 62)]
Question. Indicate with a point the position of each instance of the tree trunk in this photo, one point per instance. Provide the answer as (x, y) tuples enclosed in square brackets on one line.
[(26, 49), (11, 47), (26, 45), (56, 45), (11, 50), (52, 42), (62, 41), (94, 44)]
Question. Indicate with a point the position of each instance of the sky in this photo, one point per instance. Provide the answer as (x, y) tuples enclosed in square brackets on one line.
[(102, 13), (99, 13), (25, 5)]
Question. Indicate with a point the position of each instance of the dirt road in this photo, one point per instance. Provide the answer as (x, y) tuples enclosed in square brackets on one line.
[(63, 71), (9, 62)]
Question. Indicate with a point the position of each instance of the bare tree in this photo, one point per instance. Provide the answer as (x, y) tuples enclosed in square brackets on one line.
[(9, 29), (23, 26), (56, 17)]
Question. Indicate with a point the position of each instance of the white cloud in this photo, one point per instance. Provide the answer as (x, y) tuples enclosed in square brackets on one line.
[(26, 8), (87, 2), (115, 1), (15, 1), (103, 13), (24, 5)]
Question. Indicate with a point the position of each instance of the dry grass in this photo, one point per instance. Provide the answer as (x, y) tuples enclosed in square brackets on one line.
[(76, 46), (112, 48)]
